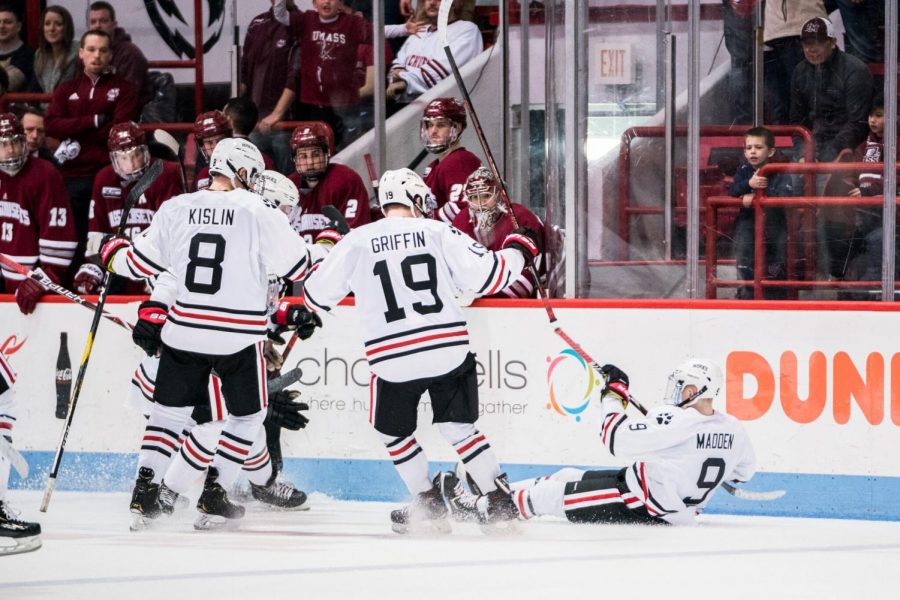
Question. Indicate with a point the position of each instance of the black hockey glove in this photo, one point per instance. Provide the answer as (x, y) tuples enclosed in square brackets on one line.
[(525, 241), (336, 227), (296, 316), (616, 383), (285, 412), (147, 331)]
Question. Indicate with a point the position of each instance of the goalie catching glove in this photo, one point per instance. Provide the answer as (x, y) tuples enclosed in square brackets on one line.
[(525, 241), (284, 412), (616, 384), (295, 316), (147, 332)]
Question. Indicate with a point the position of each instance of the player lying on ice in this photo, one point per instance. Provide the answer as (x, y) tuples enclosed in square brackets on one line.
[(683, 450)]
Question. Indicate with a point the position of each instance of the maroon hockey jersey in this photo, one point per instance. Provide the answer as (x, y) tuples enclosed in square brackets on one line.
[(72, 114), (110, 192), (36, 226), (492, 239), (328, 54), (446, 178), (343, 188)]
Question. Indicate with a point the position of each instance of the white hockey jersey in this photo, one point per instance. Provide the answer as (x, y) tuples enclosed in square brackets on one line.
[(423, 62), (682, 456), (218, 246), (405, 273)]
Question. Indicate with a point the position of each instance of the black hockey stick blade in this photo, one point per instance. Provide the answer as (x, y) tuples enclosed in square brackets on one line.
[(276, 384), (336, 219)]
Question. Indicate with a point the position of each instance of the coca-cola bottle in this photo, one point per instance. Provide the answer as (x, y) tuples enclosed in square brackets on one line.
[(63, 377)]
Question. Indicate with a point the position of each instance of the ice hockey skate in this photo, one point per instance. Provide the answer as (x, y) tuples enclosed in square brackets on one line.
[(427, 513), (216, 510), (169, 500), (278, 493), (144, 500), (17, 536), (495, 511)]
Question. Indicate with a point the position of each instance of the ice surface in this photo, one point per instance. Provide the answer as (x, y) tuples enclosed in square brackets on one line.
[(342, 549)]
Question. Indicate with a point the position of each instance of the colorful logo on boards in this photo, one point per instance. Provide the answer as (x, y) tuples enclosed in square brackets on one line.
[(570, 381), (11, 345)]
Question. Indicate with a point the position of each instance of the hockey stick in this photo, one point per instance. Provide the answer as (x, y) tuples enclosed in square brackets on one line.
[(14, 457), (165, 138), (276, 384), (136, 192), (58, 289), (748, 495)]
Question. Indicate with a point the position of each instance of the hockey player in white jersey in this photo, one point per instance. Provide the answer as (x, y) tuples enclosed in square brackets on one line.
[(405, 272), (683, 450), (16, 536), (219, 244)]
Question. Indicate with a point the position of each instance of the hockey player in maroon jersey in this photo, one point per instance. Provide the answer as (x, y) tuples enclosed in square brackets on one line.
[(322, 182), (129, 158), (210, 128), (487, 220), (36, 224), (443, 121)]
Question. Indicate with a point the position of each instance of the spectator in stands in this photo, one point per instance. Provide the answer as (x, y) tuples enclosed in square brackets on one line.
[(128, 62), (35, 217), (781, 32), (322, 182), (421, 62), (32, 120), (738, 25), (759, 148), (328, 38), (4, 81), (210, 128), (863, 19), (443, 122), (487, 220), (129, 158), (15, 56), (242, 115), (81, 114), (270, 62), (831, 91), (57, 53)]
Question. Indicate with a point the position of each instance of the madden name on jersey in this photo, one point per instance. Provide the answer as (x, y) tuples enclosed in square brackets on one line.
[(211, 216), (398, 241), (707, 441)]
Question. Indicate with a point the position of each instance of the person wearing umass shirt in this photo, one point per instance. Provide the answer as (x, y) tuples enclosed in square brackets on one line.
[(328, 40), (81, 114)]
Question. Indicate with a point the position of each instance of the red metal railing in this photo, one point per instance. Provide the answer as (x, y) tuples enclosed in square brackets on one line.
[(626, 210), (761, 202)]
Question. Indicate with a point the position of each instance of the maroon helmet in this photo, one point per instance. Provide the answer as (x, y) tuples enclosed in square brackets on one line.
[(211, 123), (482, 194), (314, 134), (128, 150), (13, 150), (449, 109)]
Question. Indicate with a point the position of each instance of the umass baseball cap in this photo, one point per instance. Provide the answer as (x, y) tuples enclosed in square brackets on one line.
[(817, 29)]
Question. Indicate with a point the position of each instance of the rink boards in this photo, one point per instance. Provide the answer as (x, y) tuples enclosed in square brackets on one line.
[(817, 387)]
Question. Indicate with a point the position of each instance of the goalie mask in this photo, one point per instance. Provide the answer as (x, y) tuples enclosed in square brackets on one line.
[(443, 121), (404, 186), (276, 189), (312, 147), (704, 377), (210, 128), (482, 194), (128, 151), (238, 159), (13, 149)]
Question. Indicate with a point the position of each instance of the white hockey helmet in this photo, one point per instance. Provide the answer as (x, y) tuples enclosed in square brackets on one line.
[(276, 189), (404, 186), (231, 156), (703, 374)]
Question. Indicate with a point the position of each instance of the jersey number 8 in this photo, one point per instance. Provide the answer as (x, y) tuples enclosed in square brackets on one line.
[(209, 267)]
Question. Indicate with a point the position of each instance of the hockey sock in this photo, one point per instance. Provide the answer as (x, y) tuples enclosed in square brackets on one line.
[(410, 461), (162, 438), (527, 484), (237, 438), (475, 453), (189, 466), (4, 475), (545, 498), (258, 466)]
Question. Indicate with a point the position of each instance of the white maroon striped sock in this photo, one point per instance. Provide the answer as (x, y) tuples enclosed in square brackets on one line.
[(410, 461)]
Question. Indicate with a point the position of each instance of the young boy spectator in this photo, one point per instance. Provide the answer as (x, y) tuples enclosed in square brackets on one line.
[(759, 148)]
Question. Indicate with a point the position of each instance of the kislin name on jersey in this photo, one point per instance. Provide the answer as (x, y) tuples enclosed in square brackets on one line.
[(211, 216), (12, 210), (723, 441), (397, 241)]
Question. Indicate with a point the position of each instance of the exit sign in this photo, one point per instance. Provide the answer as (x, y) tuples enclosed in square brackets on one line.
[(614, 64)]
